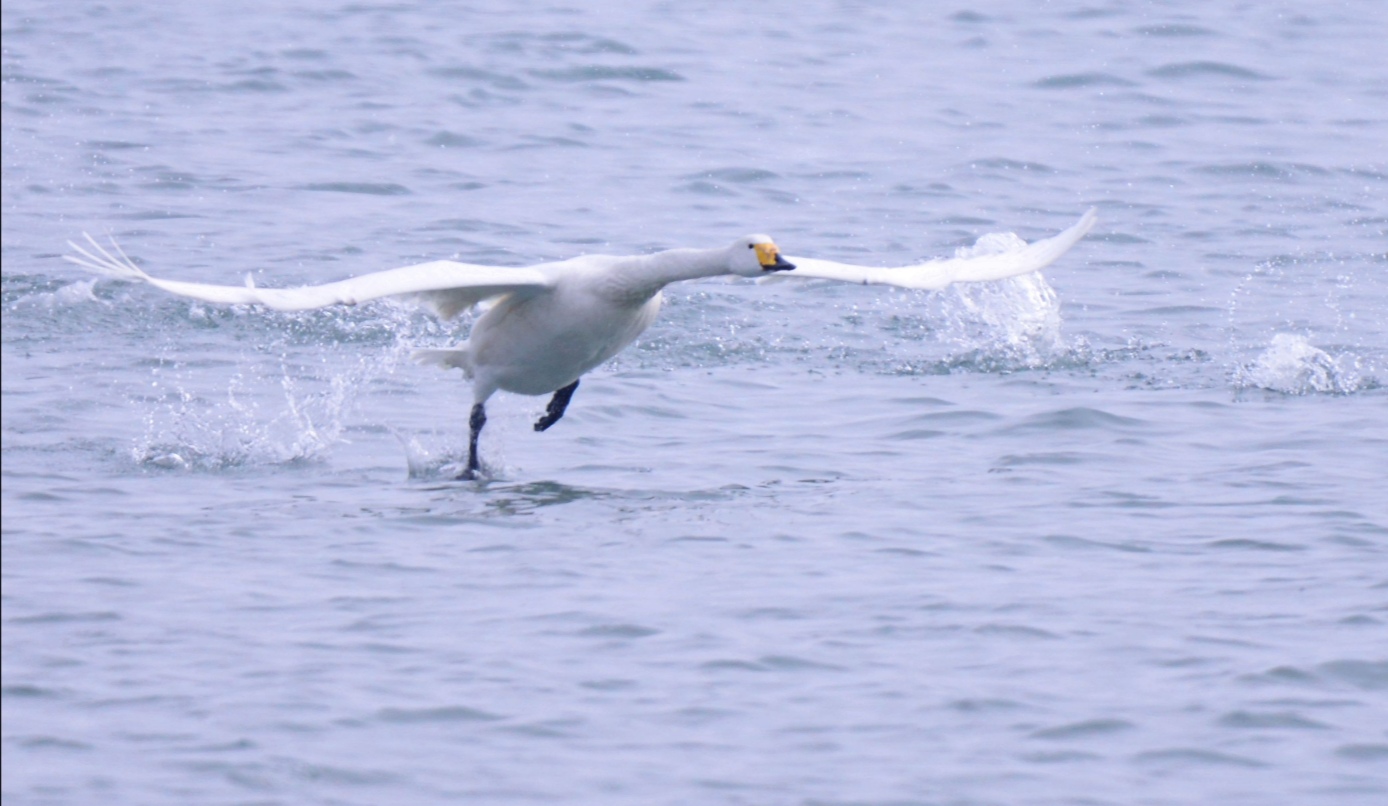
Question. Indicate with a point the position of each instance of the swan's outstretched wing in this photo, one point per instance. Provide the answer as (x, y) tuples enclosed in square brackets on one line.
[(444, 286), (937, 274)]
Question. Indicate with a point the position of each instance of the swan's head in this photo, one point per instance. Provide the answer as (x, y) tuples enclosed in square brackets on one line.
[(755, 256)]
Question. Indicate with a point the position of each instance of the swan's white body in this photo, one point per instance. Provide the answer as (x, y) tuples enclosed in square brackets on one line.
[(554, 322), (537, 339)]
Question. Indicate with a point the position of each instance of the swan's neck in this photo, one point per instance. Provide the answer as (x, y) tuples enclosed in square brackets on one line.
[(633, 281), (674, 265)]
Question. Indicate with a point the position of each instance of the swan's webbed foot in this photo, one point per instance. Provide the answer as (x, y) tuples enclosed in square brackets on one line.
[(556, 407)]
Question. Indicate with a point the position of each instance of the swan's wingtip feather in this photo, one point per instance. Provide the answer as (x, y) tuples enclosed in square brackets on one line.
[(103, 262), (77, 261), (1086, 223)]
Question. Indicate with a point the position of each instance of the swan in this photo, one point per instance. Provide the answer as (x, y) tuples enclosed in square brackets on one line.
[(553, 322)]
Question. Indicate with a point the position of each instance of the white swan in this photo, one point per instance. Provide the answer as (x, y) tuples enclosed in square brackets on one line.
[(556, 321)]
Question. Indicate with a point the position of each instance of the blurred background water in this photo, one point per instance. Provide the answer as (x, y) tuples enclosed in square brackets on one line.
[(1111, 534)]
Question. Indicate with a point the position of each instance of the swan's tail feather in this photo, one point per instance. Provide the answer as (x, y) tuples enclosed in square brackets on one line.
[(103, 262), (459, 358)]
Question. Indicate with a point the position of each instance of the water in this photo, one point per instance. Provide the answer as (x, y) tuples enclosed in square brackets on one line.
[(1111, 535)]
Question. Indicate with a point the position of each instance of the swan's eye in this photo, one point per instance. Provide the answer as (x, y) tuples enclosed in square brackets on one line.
[(751, 246)]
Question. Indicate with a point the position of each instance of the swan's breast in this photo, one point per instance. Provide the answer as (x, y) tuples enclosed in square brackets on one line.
[(537, 344)]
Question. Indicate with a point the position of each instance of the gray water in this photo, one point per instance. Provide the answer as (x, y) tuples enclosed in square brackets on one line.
[(1114, 534)]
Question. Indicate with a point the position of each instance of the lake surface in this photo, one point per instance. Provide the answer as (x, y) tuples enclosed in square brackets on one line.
[(1111, 534)]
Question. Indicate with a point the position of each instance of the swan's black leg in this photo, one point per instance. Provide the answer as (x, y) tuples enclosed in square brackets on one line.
[(475, 423), (556, 407)]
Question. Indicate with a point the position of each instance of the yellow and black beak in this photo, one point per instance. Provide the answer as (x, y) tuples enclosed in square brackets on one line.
[(770, 258)]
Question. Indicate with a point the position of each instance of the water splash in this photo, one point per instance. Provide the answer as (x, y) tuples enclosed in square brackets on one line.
[(61, 296), (1309, 296), (250, 426), (1007, 324), (1293, 366), (431, 462)]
